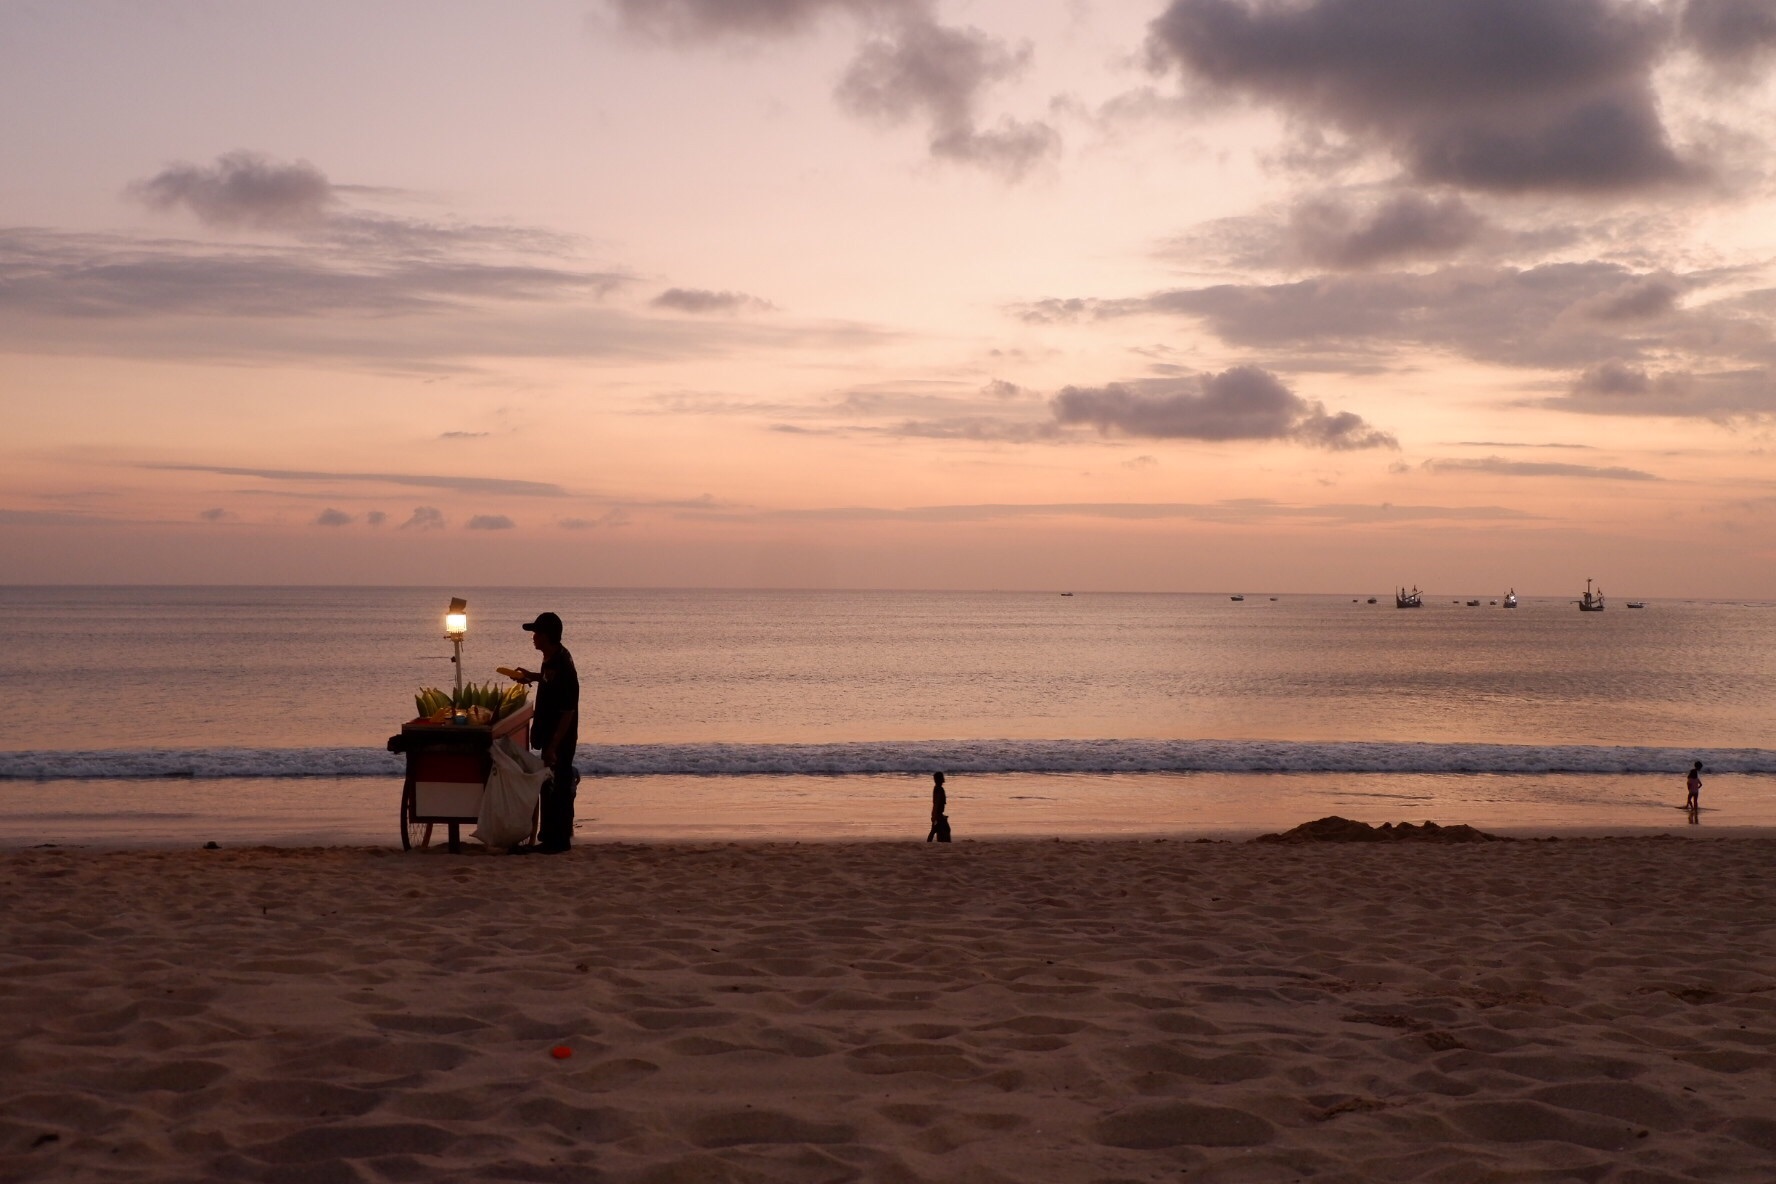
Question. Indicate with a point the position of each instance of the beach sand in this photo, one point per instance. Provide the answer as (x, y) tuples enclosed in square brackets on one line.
[(1599, 1010)]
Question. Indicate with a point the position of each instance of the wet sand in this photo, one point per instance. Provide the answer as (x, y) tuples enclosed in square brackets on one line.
[(1017, 1010)]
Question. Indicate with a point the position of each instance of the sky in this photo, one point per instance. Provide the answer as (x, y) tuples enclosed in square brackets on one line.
[(1120, 295)]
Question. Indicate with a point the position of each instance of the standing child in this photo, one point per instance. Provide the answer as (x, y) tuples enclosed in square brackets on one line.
[(1693, 783)]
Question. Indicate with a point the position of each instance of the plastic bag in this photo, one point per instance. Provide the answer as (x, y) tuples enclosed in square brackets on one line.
[(510, 799)]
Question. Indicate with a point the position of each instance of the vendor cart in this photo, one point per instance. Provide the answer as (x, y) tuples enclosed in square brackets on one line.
[(447, 769)]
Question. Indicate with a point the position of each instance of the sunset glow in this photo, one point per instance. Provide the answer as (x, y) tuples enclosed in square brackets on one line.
[(1188, 295)]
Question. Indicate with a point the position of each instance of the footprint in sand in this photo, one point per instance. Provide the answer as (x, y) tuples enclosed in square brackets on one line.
[(1181, 1124), (285, 1098), (735, 1127)]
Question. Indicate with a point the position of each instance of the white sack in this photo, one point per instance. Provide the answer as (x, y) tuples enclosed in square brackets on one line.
[(511, 796)]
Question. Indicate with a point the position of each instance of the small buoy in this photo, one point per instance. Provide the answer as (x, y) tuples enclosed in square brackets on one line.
[(561, 1052)]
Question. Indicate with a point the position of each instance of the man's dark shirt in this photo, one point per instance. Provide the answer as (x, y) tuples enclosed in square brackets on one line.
[(558, 693)]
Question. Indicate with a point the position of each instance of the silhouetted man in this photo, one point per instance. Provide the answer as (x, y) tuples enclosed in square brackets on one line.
[(555, 730)]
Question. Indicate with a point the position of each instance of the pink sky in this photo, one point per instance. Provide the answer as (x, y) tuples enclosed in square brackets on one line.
[(1193, 295)]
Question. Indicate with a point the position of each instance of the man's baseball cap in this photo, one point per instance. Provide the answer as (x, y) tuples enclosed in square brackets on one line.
[(546, 623)]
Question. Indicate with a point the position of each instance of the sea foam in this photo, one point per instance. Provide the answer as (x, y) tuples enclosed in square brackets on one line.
[(917, 756)]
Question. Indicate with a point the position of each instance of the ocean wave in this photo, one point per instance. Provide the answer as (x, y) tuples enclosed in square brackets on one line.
[(919, 756)]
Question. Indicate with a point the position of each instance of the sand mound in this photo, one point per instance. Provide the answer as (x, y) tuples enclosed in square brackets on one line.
[(1333, 829)]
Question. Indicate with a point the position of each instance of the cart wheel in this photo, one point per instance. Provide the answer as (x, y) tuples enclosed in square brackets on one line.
[(413, 834)]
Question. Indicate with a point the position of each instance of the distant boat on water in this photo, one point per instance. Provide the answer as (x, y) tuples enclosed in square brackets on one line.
[(1372, 600), (1511, 598), (1236, 598), (1473, 604), (1066, 594), (1412, 599), (1637, 604), (1591, 602)]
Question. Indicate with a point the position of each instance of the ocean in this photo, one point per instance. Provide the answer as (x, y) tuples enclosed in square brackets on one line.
[(168, 715)]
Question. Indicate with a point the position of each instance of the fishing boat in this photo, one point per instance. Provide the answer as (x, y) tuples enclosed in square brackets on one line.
[(1637, 604), (1511, 598), (1473, 604), (1236, 598), (1591, 602), (1372, 600), (1412, 599)]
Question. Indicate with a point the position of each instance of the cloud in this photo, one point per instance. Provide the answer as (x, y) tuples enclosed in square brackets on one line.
[(696, 20), (491, 522), (909, 68), (614, 517), (501, 485), (1556, 315), (1498, 466), (247, 190), (1330, 233), (86, 276), (1616, 387), (1509, 96), (1732, 33), (463, 435), (700, 300), (425, 518), (332, 517), (1233, 511), (376, 517), (182, 301), (931, 71), (1244, 403), (242, 189), (216, 514)]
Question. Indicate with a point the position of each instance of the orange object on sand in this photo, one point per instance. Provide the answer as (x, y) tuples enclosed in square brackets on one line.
[(561, 1052)]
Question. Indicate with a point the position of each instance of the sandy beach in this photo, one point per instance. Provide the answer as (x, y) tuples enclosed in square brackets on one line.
[(1598, 1010)]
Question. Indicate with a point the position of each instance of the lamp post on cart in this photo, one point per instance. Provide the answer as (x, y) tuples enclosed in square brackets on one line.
[(456, 627), (448, 750)]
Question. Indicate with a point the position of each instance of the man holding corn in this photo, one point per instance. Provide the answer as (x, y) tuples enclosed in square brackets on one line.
[(554, 730)]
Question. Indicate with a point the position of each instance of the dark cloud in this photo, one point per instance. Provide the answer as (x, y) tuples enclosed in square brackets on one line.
[(425, 518), (376, 517), (1000, 389), (1621, 388), (1329, 233), (242, 189), (1637, 299), (1499, 466), (215, 514), (1556, 315), (248, 190), (909, 67), (332, 517), (501, 485), (1733, 33), (1503, 95), (701, 300), (934, 72), (1244, 403), (491, 522), (51, 274)]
